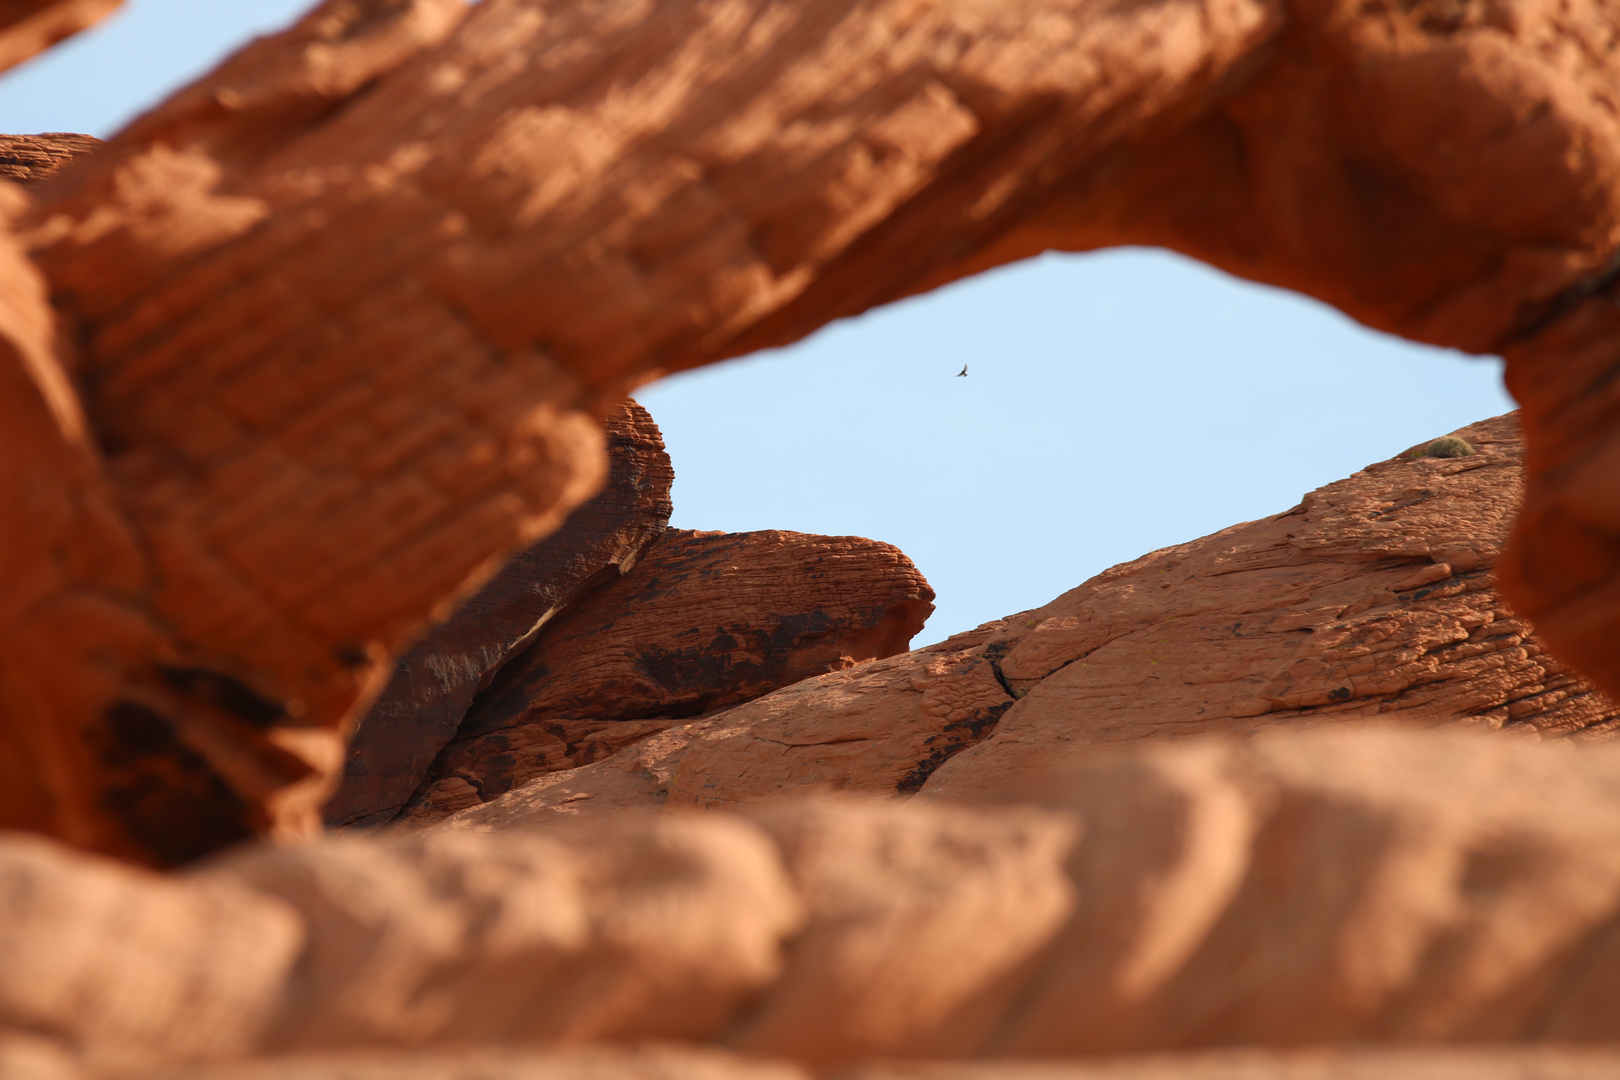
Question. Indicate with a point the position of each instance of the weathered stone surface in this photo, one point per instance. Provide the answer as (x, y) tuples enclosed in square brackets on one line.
[(1353, 884), (32, 1057), (598, 1063), (1495, 1063), (118, 965), (669, 1063), (28, 159), (1374, 598), (646, 928), (706, 620), (1346, 887), (677, 1063), (1330, 887), (423, 704), (891, 890), (454, 188), (29, 27)]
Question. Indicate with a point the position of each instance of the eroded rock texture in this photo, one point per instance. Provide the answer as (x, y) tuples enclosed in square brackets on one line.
[(705, 621), (423, 705), (28, 159), (1329, 888), (1374, 598), (344, 313)]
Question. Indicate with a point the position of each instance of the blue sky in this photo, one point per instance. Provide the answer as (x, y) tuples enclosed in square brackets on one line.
[(1115, 403)]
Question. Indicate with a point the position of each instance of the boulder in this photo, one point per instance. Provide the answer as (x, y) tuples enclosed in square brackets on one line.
[(434, 684), (1373, 599), (705, 621)]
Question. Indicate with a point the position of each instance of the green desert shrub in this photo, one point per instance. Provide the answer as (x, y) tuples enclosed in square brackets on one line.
[(1449, 446)]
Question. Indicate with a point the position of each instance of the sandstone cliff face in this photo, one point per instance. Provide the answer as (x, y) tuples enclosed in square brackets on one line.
[(1374, 598), (1347, 886), (705, 621), (423, 705)]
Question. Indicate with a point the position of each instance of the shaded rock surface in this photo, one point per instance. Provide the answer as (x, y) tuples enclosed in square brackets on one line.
[(704, 621), (422, 706), (1354, 886), (28, 27), (1374, 598)]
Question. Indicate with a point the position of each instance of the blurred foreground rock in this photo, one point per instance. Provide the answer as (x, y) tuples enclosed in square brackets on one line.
[(28, 27), (1355, 886), (1514, 1063)]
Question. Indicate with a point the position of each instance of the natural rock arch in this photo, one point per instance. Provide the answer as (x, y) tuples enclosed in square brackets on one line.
[(292, 360)]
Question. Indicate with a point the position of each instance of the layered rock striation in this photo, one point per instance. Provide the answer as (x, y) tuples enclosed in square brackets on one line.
[(30, 159), (434, 684), (705, 621), (1373, 599)]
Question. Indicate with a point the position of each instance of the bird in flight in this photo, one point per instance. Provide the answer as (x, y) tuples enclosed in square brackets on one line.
[(963, 373)]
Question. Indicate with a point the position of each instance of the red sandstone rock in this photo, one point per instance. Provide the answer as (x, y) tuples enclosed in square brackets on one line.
[(120, 966), (596, 1063), (1339, 888), (1374, 598), (456, 190), (679, 1063), (28, 159), (654, 928), (423, 704), (29, 27), (705, 621), (1494, 1063)]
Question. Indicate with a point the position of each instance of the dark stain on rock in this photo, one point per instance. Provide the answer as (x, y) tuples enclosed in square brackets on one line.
[(224, 692), (958, 737), (169, 799)]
